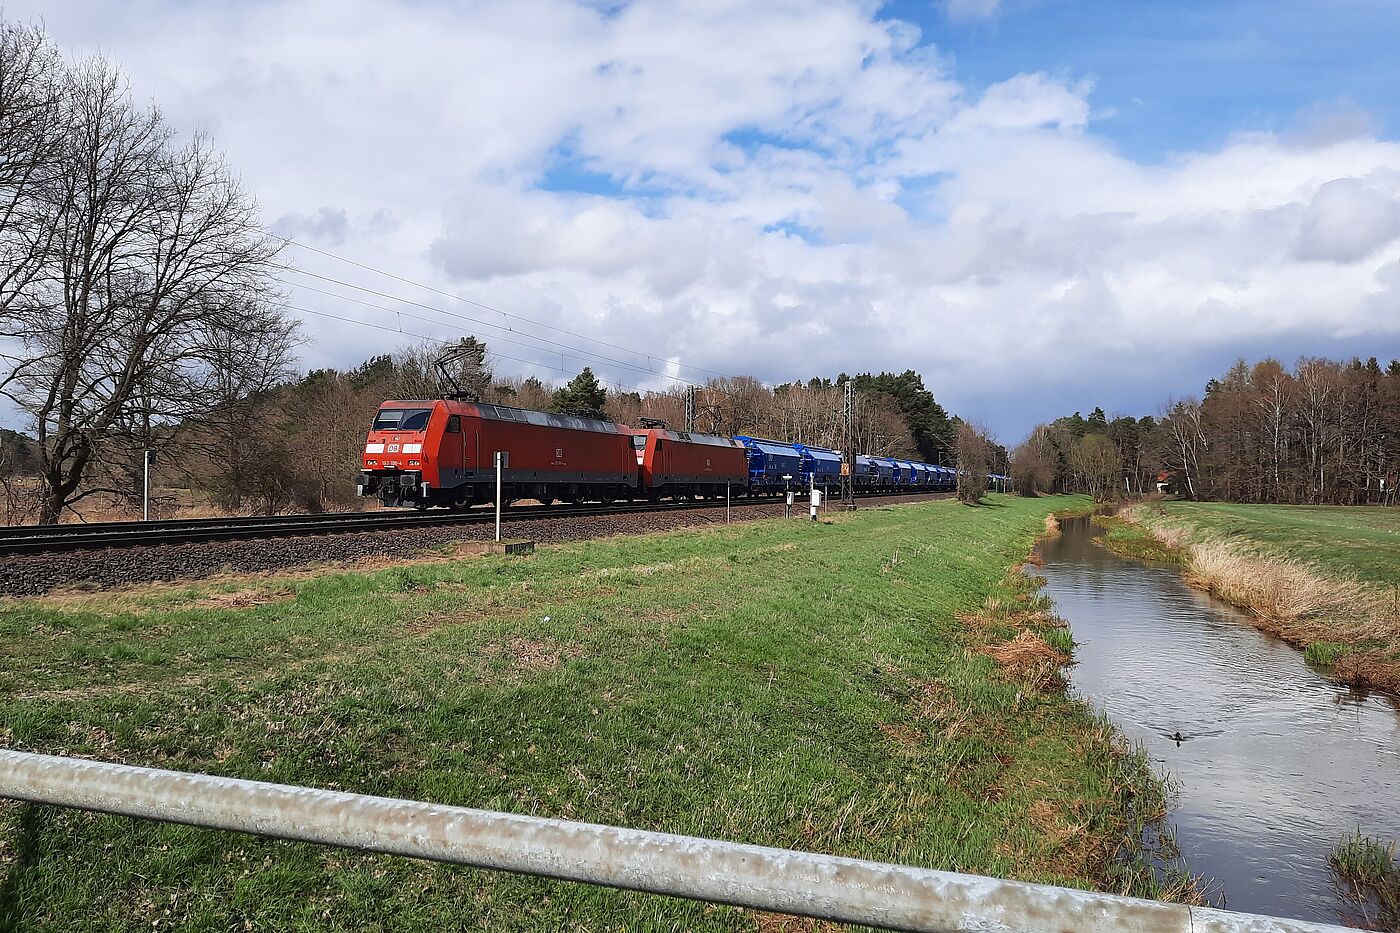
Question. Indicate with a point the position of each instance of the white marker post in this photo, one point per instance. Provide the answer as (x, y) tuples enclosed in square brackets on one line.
[(726, 503), (148, 458), (502, 458)]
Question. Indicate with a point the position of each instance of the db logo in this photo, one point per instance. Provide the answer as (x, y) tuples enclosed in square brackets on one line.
[(558, 451)]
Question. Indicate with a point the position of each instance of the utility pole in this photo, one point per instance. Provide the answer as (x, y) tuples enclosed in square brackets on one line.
[(690, 408), (848, 449)]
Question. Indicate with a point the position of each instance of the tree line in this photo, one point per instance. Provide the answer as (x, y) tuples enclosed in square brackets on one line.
[(310, 431), (136, 285), (296, 443), (1323, 431)]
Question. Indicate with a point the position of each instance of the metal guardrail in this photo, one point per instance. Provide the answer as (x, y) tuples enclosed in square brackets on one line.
[(827, 887)]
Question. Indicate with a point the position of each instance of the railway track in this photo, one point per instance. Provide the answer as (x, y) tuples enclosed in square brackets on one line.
[(48, 539)]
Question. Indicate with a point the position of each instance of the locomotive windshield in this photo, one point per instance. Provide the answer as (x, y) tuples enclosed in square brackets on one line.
[(402, 419)]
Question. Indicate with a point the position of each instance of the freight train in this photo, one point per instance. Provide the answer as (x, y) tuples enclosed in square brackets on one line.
[(441, 452)]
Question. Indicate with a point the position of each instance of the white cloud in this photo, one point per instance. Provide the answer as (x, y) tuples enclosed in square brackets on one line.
[(803, 189), (1348, 219)]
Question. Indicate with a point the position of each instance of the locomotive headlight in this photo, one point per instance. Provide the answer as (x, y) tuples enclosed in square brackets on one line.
[(413, 448)]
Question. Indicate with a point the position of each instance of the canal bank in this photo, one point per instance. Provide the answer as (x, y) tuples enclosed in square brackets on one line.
[(1274, 763), (1324, 579)]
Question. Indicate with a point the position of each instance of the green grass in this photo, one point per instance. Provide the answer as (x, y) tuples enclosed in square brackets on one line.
[(1371, 872), (1326, 653), (787, 684), (1132, 540), (1355, 541)]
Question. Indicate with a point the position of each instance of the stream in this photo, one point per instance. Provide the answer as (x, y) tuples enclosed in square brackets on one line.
[(1276, 763)]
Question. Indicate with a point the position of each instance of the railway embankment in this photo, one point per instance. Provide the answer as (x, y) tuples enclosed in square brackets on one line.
[(881, 685), (163, 557), (1326, 579)]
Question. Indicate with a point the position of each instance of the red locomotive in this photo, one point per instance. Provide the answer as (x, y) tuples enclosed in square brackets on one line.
[(442, 452), (682, 464)]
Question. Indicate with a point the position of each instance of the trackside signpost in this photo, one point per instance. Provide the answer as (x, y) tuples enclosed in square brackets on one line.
[(502, 461), (147, 459), (827, 887)]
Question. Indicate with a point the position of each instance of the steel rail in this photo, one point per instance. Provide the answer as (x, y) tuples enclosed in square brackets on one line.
[(36, 539), (826, 887), (96, 536), (81, 529)]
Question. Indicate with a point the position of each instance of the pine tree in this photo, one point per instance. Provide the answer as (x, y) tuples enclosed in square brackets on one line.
[(583, 396)]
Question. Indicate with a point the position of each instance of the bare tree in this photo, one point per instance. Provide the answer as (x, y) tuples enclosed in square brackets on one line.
[(1033, 463), (238, 435), (1099, 463), (18, 482), (31, 134), (523, 393), (974, 450), (146, 281), (1185, 440)]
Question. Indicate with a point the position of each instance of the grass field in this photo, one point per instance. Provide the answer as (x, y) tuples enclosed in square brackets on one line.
[(1353, 541), (854, 687)]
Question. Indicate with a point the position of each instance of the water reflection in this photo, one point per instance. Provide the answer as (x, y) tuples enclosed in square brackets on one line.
[(1276, 763)]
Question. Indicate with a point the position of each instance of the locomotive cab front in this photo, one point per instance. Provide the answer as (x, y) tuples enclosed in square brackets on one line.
[(394, 457)]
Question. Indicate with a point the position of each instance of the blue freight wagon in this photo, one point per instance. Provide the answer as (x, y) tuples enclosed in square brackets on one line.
[(820, 467), (887, 472), (769, 462), (866, 474)]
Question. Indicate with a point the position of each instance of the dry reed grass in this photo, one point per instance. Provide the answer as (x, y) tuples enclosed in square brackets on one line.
[(1030, 659), (1283, 590), (1293, 600)]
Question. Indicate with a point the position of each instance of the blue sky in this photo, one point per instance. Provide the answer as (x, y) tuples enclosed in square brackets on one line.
[(1041, 205), (1180, 76)]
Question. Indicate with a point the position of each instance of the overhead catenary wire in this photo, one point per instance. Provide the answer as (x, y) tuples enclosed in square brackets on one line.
[(407, 333), (578, 356), (486, 307), (575, 353)]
